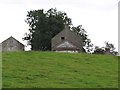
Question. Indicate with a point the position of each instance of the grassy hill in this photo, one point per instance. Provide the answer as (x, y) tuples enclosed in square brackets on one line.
[(59, 70)]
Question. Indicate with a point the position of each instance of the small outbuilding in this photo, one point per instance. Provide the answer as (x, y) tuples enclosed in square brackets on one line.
[(11, 44), (67, 40)]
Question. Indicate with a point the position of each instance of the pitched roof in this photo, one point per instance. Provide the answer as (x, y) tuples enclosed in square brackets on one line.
[(14, 39)]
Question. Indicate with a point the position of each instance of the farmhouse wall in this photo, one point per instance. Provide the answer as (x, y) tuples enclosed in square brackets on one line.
[(12, 44), (69, 36)]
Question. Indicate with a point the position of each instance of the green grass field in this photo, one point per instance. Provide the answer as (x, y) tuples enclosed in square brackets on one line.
[(58, 70)]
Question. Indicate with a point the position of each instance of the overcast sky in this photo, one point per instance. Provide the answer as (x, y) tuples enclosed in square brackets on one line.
[(98, 17)]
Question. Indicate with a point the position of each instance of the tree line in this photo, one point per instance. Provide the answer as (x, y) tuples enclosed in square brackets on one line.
[(44, 25)]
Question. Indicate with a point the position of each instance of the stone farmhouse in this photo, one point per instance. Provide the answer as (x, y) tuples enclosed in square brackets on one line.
[(67, 41), (11, 44)]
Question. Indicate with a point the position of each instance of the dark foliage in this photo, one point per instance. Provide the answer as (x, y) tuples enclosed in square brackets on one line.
[(108, 49), (43, 26), (87, 44), (99, 50)]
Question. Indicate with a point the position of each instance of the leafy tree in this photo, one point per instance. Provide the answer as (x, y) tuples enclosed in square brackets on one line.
[(110, 48), (88, 46), (99, 50), (44, 25)]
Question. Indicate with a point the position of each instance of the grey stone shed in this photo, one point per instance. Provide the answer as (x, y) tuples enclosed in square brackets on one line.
[(11, 44), (67, 40)]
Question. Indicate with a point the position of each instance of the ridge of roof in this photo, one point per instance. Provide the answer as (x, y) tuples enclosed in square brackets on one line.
[(14, 39)]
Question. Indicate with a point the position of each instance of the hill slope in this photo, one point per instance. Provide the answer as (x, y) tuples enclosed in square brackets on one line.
[(59, 70)]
